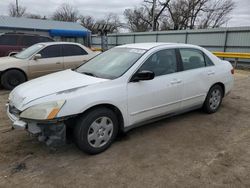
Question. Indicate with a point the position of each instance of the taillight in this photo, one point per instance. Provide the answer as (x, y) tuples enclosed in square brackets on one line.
[(232, 71)]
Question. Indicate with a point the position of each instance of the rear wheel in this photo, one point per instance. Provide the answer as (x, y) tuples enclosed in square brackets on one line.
[(12, 78), (213, 99), (96, 130)]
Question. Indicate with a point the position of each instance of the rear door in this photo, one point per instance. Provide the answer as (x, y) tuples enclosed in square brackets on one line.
[(74, 55), (197, 77), (51, 61)]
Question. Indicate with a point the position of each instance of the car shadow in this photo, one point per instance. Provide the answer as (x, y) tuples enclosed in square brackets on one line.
[(124, 136)]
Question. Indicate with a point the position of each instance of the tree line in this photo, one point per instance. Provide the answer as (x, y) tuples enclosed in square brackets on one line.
[(149, 15)]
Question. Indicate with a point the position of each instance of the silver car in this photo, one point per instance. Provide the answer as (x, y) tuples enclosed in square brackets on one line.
[(41, 59)]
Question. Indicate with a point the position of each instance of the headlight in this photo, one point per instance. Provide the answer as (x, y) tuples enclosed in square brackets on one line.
[(43, 111)]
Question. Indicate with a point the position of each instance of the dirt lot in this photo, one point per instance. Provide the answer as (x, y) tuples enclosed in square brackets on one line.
[(191, 150)]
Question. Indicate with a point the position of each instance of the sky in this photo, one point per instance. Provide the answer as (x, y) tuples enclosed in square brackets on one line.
[(99, 8)]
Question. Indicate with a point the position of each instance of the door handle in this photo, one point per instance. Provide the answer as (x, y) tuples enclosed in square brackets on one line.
[(211, 73), (58, 62), (176, 81)]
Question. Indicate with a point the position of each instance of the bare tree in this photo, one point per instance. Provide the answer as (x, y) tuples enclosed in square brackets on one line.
[(111, 19), (216, 14), (184, 13), (87, 22), (181, 14), (34, 16), (15, 11), (155, 12), (137, 19), (66, 12), (147, 16)]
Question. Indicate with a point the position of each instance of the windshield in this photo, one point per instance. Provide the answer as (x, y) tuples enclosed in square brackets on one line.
[(29, 51), (112, 63)]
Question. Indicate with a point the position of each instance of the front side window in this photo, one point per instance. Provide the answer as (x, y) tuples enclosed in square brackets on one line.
[(73, 50), (51, 51), (112, 63), (161, 63), (192, 59)]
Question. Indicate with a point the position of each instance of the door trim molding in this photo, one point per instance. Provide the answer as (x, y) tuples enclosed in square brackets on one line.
[(164, 105)]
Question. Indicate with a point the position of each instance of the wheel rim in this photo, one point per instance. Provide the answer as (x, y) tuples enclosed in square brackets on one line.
[(14, 81), (215, 99), (100, 132)]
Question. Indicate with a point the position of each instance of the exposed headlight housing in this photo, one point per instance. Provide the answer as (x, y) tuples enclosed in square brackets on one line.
[(44, 111)]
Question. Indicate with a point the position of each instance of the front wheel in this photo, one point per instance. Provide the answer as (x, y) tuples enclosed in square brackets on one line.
[(12, 78), (96, 130), (213, 99)]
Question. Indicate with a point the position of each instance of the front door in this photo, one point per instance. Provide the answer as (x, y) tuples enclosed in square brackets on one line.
[(51, 61), (160, 96)]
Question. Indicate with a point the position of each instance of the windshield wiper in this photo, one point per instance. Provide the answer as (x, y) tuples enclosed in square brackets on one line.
[(89, 74)]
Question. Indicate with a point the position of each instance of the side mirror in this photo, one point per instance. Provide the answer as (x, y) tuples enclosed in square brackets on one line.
[(37, 56), (143, 75)]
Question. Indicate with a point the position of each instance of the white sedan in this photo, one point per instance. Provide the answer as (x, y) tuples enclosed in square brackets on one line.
[(122, 88)]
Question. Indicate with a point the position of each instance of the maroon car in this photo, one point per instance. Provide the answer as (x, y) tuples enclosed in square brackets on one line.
[(16, 42)]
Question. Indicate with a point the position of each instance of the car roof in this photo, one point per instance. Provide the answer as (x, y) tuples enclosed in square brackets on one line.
[(51, 43), (147, 46)]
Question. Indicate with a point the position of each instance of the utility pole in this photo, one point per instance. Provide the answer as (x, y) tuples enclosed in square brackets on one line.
[(17, 9), (153, 16)]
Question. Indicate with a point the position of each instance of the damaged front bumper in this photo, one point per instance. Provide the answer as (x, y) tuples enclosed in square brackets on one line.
[(53, 133)]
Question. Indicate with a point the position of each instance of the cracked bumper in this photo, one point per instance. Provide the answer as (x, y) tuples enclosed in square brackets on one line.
[(16, 122), (52, 133)]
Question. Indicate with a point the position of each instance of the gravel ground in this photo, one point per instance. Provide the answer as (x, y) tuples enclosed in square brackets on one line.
[(190, 150)]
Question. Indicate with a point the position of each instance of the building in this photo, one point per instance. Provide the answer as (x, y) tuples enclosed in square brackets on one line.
[(58, 30)]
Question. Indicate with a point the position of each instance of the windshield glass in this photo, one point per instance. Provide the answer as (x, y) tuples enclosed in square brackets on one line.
[(112, 63), (29, 51)]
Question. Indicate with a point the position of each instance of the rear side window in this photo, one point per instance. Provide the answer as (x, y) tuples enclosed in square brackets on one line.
[(73, 50), (208, 61), (51, 51), (192, 59), (10, 40)]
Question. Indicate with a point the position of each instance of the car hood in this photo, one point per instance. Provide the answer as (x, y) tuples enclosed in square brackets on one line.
[(50, 84)]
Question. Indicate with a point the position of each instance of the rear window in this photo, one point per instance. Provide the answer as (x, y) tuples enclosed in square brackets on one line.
[(10, 40)]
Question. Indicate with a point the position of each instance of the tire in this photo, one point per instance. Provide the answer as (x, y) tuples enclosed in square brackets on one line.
[(12, 78), (96, 130), (213, 99)]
